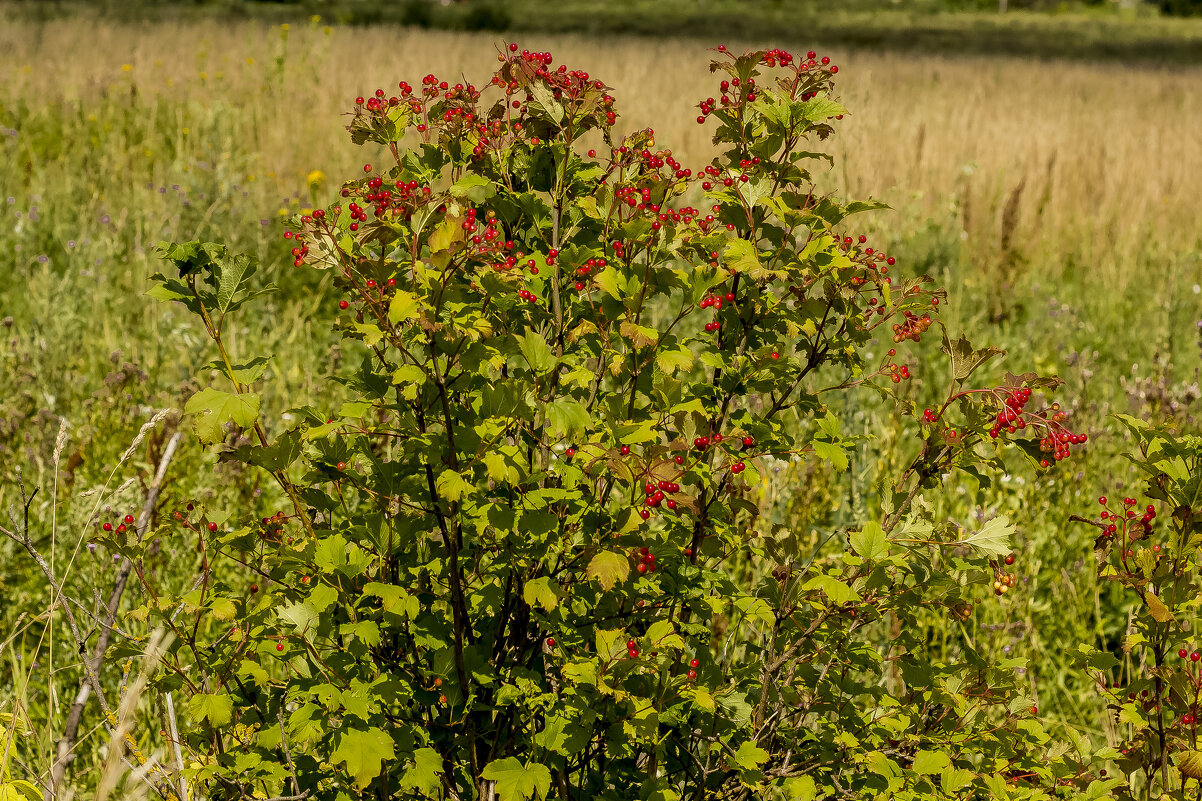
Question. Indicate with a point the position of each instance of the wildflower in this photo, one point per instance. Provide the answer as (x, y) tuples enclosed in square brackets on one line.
[(316, 179)]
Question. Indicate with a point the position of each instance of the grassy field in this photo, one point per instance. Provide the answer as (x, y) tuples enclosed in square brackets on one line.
[(1055, 200)]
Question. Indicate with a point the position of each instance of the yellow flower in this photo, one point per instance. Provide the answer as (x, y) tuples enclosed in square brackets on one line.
[(285, 27), (316, 179), (126, 67), (316, 18)]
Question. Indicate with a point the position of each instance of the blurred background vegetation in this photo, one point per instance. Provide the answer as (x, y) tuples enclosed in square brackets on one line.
[(1043, 164)]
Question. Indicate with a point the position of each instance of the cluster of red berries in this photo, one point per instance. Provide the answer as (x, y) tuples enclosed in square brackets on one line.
[(1003, 583), (734, 93), (1011, 415), (583, 271), (693, 665), (912, 326), (645, 560), (710, 175), (1127, 517), (655, 493), (632, 649), (299, 253), (562, 82), (1056, 439), (897, 374), (121, 526), (654, 161)]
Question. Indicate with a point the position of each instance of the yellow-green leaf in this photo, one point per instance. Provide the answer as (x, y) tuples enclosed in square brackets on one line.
[(212, 409), (364, 753), (541, 592), (608, 568), (1160, 612), (402, 307)]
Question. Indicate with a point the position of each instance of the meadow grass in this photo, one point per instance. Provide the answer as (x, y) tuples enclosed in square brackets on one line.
[(1056, 201)]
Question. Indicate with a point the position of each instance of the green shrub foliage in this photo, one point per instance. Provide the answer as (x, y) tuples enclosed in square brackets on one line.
[(533, 556)]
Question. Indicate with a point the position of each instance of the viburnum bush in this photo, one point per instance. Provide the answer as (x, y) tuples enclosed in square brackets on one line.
[(1154, 686), (531, 557)]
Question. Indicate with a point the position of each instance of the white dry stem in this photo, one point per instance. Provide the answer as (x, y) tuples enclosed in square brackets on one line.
[(179, 756), (147, 773)]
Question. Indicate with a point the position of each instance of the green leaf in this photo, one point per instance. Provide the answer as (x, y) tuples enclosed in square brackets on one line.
[(749, 755), (475, 188), (423, 771), (518, 782), (543, 97), (242, 373), (403, 307), (965, 360), (19, 790), (836, 590), (953, 780), (929, 762), (1160, 613), (608, 568), (451, 485), (541, 592), (537, 352), (567, 416), (801, 788), (213, 409), (993, 538), (819, 109), (609, 281), (234, 271), (674, 359), (832, 453), (218, 710), (1190, 763), (301, 615), (870, 542), (663, 637), (364, 753), (279, 454), (741, 255)]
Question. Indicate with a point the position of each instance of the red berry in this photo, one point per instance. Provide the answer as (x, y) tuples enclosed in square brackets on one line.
[(1010, 559), (129, 519), (212, 526), (551, 642), (693, 663), (342, 304), (279, 646)]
